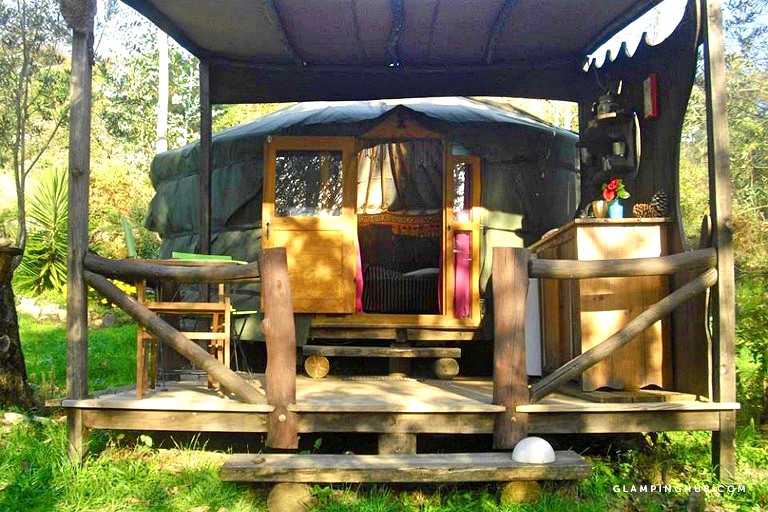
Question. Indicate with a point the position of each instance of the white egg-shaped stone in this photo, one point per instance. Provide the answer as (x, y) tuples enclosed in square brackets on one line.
[(533, 450)]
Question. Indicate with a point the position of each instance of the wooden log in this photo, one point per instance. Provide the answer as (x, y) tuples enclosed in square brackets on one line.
[(77, 206), (721, 210), (177, 341), (591, 357), (133, 270), (510, 381), (205, 170), (445, 368), (280, 336), (664, 265)]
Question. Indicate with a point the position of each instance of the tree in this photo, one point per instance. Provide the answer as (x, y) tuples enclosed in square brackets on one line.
[(33, 92)]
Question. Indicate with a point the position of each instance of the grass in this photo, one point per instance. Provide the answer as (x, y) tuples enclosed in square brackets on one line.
[(132, 473), (111, 351)]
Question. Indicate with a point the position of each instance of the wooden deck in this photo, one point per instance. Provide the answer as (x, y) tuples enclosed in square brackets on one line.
[(334, 404)]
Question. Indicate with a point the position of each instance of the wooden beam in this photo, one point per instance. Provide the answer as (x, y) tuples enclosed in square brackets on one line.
[(77, 206), (427, 467), (273, 17), (498, 27), (175, 340), (206, 169), (720, 204), (663, 265), (622, 422), (133, 270), (510, 381), (153, 14), (362, 351), (591, 357), (396, 32), (280, 336)]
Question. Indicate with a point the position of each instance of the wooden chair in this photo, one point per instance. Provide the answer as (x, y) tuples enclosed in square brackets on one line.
[(216, 314)]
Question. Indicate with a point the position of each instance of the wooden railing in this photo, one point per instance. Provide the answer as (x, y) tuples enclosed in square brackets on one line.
[(279, 329), (513, 267)]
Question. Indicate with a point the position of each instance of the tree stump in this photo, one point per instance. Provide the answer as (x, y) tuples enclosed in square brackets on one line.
[(317, 366), (520, 491), (14, 388), (445, 368), (290, 497)]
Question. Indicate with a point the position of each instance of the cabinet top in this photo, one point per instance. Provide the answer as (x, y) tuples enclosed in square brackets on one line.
[(633, 221)]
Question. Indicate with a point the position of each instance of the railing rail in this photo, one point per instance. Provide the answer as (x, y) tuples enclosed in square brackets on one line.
[(700, 259), (131, 270)]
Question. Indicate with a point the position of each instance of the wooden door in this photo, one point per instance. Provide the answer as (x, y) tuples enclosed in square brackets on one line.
[(309, 208)]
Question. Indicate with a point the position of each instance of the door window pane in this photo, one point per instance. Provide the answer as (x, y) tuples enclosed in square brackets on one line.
[(309, 183), (462, 191)]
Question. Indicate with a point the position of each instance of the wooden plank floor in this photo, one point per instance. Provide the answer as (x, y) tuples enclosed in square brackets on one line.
[(337, 395), (446, 467)]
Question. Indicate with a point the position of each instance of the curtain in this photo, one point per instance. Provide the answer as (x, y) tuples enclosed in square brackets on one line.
[(404, 177)]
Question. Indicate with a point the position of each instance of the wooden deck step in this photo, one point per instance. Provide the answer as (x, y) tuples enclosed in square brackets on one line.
[(358, 351), (450, 467)]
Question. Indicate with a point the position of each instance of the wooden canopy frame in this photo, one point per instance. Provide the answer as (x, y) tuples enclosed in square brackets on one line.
[(539, 79)]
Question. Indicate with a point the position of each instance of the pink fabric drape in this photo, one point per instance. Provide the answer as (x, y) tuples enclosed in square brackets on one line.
[(358, 279), (462, 282)]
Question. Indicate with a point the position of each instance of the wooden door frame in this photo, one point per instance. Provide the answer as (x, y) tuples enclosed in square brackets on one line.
[(444, 320)]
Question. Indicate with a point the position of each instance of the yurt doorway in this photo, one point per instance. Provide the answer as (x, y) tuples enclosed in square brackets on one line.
[(400, 226), (384, 231)]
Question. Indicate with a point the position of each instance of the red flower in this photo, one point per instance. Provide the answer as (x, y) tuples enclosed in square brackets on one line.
[(609, 194), (613, 184)]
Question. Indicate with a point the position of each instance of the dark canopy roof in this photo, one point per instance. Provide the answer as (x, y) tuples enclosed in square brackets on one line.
[(408, 47)]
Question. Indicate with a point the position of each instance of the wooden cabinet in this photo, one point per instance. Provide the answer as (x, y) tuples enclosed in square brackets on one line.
[(576, 315)]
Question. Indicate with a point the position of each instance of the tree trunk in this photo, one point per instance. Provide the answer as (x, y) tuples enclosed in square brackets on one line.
[(14, 388)]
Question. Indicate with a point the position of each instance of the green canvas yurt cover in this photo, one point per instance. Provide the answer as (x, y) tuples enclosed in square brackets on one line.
[(529, 180)]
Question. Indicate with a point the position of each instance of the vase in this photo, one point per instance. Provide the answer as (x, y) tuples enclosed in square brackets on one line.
[(615, 210), (600, 209)]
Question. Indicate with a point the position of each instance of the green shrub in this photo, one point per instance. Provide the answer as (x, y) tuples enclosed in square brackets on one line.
[(44, 265)]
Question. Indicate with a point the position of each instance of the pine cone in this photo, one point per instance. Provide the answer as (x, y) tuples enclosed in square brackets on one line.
[(661, 204), (643, 210)]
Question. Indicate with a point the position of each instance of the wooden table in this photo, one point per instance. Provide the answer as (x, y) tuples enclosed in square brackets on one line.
[(579, 314), (217, 337)]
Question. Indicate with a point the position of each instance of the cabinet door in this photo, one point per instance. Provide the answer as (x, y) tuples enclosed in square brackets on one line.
[(309, 208)]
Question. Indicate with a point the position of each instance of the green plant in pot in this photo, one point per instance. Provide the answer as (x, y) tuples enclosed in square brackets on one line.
[(613, 192)]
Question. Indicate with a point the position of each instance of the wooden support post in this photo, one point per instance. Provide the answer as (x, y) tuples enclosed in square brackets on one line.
[(80, 17), (720, 204), (510, 379), (77, 435), (399, 366), (280, 335), (204, 178), (397, 444)]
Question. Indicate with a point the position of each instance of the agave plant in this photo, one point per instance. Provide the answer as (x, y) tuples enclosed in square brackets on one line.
[(44, 265)]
